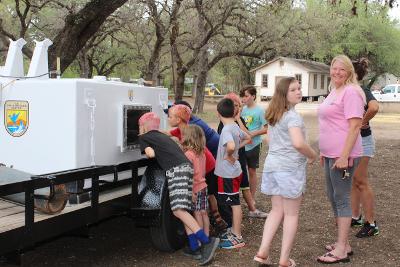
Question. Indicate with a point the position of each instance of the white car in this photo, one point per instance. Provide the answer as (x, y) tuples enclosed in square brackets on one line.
[(390, 93)]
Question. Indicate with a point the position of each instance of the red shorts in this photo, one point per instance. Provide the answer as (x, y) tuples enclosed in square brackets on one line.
[(228, 190)]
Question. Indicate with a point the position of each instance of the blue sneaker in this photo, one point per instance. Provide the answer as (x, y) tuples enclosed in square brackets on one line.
[(225, 235), (232, 242)]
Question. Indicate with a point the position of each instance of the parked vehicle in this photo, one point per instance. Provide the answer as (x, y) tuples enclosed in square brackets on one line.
[(389, 93)]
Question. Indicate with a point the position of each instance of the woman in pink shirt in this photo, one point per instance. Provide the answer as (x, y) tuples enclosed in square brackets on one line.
[(340, 118)]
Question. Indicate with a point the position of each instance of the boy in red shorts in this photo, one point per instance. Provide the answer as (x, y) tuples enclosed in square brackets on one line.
[(229, 171)]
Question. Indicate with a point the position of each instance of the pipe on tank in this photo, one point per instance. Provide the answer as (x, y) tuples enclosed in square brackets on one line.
[(49, 200)]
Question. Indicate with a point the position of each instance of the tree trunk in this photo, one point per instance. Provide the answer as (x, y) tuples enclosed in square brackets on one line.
[(245, 70), (84, 64), (201, 80), (153, 67), (178, 69), (179, 84), (78, 29), (202, 62)]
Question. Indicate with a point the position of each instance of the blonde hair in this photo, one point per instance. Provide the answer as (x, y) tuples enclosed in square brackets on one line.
[(352, 78), (193, 139), (279, 103)]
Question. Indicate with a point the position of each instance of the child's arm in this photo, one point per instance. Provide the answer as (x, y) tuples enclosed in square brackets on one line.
[(149, 152), (230, 149), (300, 145), (261, 131), (241, 124), (245, 140)]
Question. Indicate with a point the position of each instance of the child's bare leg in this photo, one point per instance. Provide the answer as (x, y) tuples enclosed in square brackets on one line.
[(206, 222), (291, 209), (249, 199), (213, 203), (253, 182), (187, 219), (271, 226), (199, 219), (237, 220), (187, 230)]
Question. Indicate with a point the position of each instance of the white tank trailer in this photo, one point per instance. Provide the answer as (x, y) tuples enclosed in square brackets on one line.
[(51, 125)]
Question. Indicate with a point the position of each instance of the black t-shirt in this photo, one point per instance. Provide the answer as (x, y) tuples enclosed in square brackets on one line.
[(369, 97), (167, 153)]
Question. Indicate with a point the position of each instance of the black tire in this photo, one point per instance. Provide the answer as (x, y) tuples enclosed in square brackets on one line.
[(170, 234)]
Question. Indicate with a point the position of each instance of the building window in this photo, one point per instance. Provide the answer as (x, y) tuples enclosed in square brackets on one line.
[(322, 82), (298, 77), (329, 81), (264, 81), (281, 63), (315, 81)]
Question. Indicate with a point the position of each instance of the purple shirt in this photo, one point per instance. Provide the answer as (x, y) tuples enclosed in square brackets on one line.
[(333, 116)]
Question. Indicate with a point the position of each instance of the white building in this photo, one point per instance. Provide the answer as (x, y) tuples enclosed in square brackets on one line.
[(313, 76)]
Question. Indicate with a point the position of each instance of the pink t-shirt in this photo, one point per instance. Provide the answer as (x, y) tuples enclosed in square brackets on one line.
[(199, 169), (333, 116)]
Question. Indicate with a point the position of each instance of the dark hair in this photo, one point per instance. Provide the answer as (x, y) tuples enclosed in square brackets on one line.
[(361, 67), (226, 108), (250, 89), (183, 102)]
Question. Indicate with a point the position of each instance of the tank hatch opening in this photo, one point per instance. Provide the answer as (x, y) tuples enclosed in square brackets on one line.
[(131, 115)]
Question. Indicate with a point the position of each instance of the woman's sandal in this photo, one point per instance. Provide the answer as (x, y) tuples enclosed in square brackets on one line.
[(262, 260), (291, 263), (330, 248), (335, 259)]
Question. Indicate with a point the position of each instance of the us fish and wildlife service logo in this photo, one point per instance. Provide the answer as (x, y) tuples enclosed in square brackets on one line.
[(16, 117)]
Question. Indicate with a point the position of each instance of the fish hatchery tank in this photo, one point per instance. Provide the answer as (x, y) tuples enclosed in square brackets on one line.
[(131, 115)]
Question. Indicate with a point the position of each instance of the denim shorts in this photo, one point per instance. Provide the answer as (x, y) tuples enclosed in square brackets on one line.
[(368, 144), (288, 184)]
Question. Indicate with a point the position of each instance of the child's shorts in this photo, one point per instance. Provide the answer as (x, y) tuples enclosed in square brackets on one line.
[(244, 184), (201, 200), (288, 184), (180, 184), (253, 157), (228, 190)]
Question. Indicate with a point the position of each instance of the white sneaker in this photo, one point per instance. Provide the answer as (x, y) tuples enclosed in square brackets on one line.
[(257, 214)]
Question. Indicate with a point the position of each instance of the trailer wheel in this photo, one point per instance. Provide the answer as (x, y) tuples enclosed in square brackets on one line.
[(169, 235)]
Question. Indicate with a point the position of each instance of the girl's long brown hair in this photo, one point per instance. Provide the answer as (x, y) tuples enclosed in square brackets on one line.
[(193, 139), (279, 103)]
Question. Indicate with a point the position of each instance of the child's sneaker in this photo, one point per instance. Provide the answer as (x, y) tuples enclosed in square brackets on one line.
[(208, 251), (357, 222), (193, 254), (257, 214), (225, 235), (232, 242), (368, 230)]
